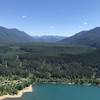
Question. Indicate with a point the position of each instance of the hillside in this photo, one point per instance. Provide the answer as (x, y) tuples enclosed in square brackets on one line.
[(13, 35), (88, 38)]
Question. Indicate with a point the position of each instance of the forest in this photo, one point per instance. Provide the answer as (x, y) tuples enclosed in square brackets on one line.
[(27, 63)]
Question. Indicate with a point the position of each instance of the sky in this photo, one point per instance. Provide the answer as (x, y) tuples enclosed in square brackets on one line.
[(50, 17)]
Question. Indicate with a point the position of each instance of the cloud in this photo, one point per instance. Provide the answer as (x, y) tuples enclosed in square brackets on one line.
[(85, 23), (24, 17)]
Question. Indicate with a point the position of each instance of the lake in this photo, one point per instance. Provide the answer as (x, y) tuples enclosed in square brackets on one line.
[(62, 92)]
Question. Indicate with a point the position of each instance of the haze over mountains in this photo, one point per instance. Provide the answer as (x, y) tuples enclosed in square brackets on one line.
[(49, 38), (86, 38), (83, 38), (15, 35)]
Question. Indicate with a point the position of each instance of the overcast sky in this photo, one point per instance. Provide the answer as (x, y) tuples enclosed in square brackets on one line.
[(50, 17)]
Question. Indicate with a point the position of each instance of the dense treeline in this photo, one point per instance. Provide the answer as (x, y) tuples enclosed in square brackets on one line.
[(23, 64)]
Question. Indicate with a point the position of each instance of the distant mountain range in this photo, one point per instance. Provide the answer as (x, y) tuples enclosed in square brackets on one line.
[(49, 39), (86, 38), (13, 35)]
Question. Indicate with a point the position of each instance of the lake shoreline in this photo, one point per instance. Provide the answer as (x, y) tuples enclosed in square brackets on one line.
[(71, 83), (19, 95), (30, 88)]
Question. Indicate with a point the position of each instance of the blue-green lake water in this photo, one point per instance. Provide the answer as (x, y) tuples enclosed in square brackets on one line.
[(62, 92)]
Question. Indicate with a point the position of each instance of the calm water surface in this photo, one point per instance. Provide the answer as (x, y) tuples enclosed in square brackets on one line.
[(62, 92)]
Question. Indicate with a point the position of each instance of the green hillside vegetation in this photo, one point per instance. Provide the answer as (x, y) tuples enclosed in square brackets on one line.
[(24, 64)]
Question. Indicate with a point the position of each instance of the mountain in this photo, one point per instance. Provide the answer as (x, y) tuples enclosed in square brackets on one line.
[(86, 38), (13, 35), (49, 39)]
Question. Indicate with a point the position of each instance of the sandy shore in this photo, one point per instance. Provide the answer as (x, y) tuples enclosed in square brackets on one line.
[(19, 95)]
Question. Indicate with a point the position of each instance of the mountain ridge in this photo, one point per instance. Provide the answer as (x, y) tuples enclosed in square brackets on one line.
[(13, 35), (86, 38)]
